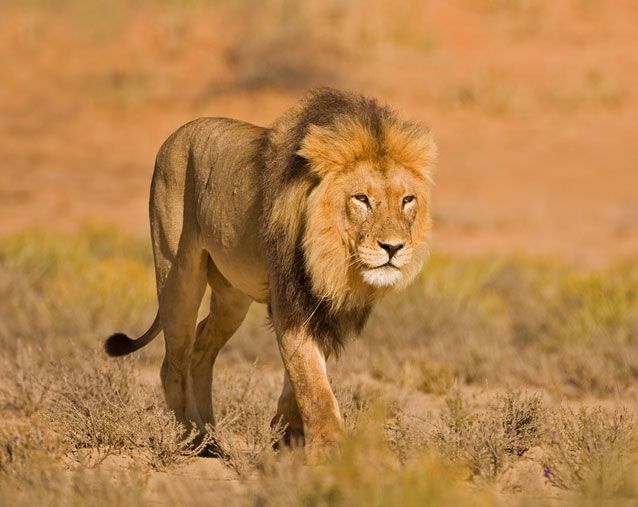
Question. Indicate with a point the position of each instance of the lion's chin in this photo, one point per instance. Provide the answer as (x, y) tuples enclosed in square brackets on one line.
[(385, 276)]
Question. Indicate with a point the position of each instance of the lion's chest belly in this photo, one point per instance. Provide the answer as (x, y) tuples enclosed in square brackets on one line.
[(246, 274)]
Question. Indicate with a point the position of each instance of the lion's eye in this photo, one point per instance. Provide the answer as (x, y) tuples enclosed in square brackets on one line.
[(362, 198), (408, 199)]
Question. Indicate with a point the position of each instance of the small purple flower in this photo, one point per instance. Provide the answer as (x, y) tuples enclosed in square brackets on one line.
[(554, 437), (16, 438), (547, 472)]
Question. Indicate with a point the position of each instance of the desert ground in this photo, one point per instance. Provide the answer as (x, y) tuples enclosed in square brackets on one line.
[(506, 375)]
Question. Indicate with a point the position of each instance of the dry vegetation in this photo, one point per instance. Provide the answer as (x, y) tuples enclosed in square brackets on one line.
[(422, 425)]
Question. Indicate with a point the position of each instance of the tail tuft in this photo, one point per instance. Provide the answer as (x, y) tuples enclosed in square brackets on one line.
[(119, 344)]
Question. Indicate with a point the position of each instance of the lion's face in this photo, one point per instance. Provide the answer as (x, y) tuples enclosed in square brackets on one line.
[(368, 230), (367, 220), (380, 209)]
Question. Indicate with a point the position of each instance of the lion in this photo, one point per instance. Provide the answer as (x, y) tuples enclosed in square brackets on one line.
[(316, 217)]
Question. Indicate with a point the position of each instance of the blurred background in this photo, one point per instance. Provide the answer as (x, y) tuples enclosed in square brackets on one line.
[(532, 101)]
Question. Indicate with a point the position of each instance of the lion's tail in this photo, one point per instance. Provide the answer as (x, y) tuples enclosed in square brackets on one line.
[(119, 344)]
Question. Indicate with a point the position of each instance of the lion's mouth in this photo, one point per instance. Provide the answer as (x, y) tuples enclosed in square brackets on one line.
[(388, 264), (384, 275)]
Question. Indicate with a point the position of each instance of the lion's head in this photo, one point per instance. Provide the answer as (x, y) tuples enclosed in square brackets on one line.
[(368, 220), (363, 208)]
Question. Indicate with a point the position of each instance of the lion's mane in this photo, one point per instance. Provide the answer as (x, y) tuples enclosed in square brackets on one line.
[(325, 133)]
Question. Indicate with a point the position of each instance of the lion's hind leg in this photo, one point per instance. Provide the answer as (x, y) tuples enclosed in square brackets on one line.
[(179, 301), (228, 307)]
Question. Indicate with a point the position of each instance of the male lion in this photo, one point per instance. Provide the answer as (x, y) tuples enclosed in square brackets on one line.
[(317, 217)]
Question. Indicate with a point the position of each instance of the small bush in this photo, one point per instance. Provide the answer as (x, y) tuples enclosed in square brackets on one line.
[(407, 435), (593, 451), (487, 440), (92, 408), (162, 440)]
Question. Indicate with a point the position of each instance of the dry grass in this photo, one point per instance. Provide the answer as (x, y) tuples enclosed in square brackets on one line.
[(100, 409), (243, 410), (511, 321), (97, 409), (77, 423), (441, 397), (508, 321), (63, 293)]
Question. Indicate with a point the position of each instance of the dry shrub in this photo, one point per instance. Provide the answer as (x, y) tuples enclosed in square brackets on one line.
[(101, 410), (92, 408), (594, 451), (407, 435), (163, 441), (445, 326), (509, 320), (512, 321), (594, 329), (487, 440), (575, 329), (355, 397), (243, 412)]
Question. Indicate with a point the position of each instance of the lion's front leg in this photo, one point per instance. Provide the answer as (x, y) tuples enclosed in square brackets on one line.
[(306, 370)]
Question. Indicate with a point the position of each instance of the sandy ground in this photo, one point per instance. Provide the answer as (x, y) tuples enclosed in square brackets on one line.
[(534, 111)]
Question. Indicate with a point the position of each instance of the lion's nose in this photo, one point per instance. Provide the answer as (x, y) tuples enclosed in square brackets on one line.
[(391, 248)]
